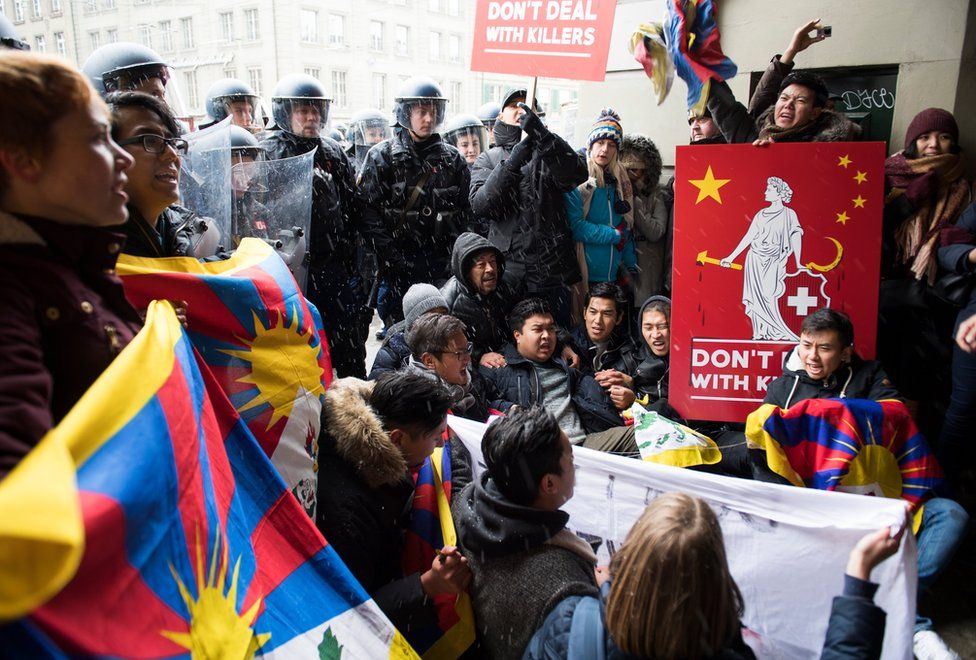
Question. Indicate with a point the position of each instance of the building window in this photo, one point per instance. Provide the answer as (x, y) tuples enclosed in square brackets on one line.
[(252, 30), (186, 30), (456, 100), (434, 5), (39, 44), (337, 30), (166, 36), (256, 78), (309, 26), (401, 39), (190, 87), (18, 11), (110, 4), (435, 45), (145, 36), (454, 7), (454, 48), (376, 35), (94, 39), (91, 6), (56, 7), (230, 72), (313, 71), (339, 97), (379, 90), (111, 35), (60, 44), (227, 26), (36, 8), (491, 92)]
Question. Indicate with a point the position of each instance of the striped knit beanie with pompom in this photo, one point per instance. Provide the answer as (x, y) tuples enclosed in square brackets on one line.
[(607, 126)]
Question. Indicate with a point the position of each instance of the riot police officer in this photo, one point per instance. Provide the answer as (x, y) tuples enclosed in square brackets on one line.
[(300, 110), (234, 98), (8, 36), (127, 67), (488, 114), (468, 134), (414, 190), (366, 128)]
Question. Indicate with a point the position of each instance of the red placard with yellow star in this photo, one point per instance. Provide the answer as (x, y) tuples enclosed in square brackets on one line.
[(763, 236)]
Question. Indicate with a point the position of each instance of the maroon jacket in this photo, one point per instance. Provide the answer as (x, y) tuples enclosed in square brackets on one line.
[(63, 319)]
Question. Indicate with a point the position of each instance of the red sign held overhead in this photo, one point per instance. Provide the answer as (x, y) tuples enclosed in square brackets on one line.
[(762, 238), (551, 38)]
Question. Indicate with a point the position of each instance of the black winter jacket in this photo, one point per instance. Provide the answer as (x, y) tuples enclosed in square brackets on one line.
[(171, 237), (518, 384), (365, 494), (336, 213), (419, 244), (393, 355), (525, 210), (621, 353), (955, 259), (861, 379), (484, 316)]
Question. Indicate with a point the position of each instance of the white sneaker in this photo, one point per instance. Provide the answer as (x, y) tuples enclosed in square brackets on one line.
[(927, 645)]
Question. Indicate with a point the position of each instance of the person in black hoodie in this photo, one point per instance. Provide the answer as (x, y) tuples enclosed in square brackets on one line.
[(516, 194), (512, 529), (606, 350), (651, 377)]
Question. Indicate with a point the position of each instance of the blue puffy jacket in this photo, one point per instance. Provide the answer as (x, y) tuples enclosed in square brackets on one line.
[(598, 234)]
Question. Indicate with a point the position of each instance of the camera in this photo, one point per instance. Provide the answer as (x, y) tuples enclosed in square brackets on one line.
[(825, 31)]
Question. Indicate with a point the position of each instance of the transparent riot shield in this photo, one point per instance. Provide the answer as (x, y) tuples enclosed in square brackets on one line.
[(205, 185), (273, 202)]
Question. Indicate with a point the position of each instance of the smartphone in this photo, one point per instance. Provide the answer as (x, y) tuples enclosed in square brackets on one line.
[(825, 31)]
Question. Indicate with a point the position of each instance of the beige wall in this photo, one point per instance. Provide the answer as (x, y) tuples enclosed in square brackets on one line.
[(928, 40)]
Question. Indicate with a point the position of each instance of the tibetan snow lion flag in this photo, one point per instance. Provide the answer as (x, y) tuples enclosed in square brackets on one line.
[(150, 524), (431, 528), (260, 338), (853, 445)]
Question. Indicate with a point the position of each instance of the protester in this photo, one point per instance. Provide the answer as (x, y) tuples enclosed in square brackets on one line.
[(300, 109), (534, 375), (394, 353), (601, 209), (651, 377), (672, 570), (414, 188), (373, 436), (516, 194), (786, 106), (926, 192), (825, 365), (157, 225), (641, 161), (703, 129), (511, 527), (62, 181)]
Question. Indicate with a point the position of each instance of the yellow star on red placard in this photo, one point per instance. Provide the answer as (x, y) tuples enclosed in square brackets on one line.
[(844, 161), (861, 177), (859, 202), (842, 218), (709, 186)]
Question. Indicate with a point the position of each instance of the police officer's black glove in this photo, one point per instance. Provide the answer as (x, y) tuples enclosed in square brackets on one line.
[(521, 154), (531, 124)]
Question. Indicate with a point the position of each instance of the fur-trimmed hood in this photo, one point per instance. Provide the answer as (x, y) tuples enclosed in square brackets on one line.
[(360, 439), (639, 151)]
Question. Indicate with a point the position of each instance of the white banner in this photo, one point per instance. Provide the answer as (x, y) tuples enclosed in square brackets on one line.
[(787, 547)]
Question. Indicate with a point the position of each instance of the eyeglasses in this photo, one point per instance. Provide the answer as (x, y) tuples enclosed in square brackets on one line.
[(156, 144), (459, 354)]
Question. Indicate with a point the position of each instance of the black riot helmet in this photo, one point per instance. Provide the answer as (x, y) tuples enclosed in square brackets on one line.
[(488, 113), (123, 66), (463, 125), (8, 36), (299, 91), (418, 91), (243, 143), (224, 92), (368, 127)]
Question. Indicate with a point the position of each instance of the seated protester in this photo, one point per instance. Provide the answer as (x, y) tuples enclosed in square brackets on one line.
[(651, 376), (373, 436), (672, 569), (440, 351), (61, 202), (786, 107), (394, 354), (511, 528), (606, 351), (824, 365), (147, 129), (533, 375)]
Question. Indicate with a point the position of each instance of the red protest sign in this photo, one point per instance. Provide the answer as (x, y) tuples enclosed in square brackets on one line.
[(551, 38), (762, 238)]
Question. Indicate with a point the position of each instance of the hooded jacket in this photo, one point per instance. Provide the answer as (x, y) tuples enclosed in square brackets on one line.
[(620, 354), (600, 228), (523, 561), (524, 211), (860, 379), (484, 316), (394, 354), (517, 383), (65, 318), (365, 494), (651, 215)]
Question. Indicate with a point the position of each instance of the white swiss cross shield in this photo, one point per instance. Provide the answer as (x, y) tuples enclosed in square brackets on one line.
[(804, 293)]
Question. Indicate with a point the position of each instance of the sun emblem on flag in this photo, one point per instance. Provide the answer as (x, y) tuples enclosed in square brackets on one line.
[(216, 628), (284, 365)]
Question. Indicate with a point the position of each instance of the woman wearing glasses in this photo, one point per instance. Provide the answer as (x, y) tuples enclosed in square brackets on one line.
[(147, 130), (62, 181)]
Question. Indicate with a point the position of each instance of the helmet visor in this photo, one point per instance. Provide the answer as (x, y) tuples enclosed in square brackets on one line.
[(301, 116), (369, 132), (244, 110), (423, 115), (469, 140)]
